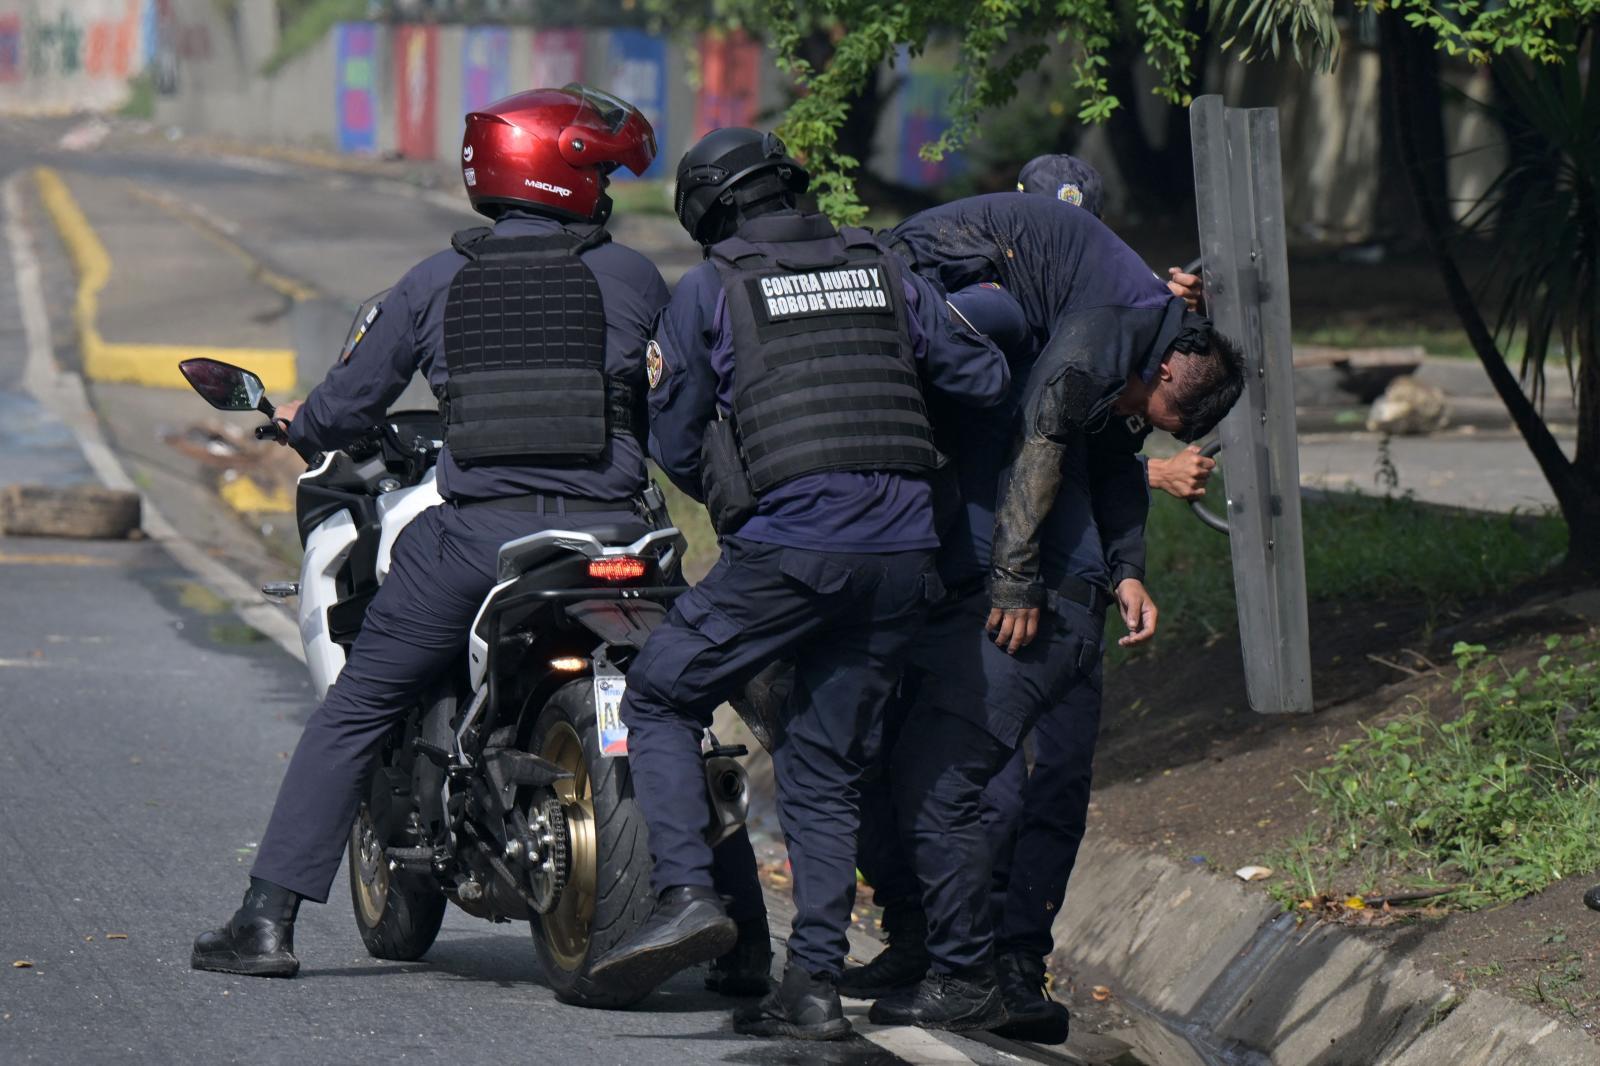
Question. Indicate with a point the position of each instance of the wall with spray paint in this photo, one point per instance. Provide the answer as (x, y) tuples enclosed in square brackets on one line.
[(69, 55)]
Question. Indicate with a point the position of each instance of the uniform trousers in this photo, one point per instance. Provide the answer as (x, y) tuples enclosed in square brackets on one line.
[(847, 620)]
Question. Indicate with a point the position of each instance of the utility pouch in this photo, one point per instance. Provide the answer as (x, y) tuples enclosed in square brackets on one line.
[(729, 498)]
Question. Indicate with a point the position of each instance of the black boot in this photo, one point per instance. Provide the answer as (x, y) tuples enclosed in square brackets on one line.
[(1034, 1016), (805, 1007), (687, 927), (258, 940), (954, 1002), (902, 964), (747, 969), (1591, 898)]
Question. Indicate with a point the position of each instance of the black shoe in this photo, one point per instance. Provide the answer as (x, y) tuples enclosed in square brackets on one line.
[(688, 926), (957, 1003), (747, 969), (1034, 1016), (1591, 898), (902, 964), (258, 940), (804, 1007)]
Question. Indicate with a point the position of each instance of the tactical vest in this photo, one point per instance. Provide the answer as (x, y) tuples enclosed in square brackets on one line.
[(525, 347), (824, 374)]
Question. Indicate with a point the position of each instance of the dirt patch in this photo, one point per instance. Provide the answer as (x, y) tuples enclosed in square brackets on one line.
[(1185, 768)]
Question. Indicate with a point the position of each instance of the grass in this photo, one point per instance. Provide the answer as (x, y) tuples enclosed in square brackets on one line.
[(141, 102), (1362, 548), (1443, 341), (1492, 801), (641, 198)]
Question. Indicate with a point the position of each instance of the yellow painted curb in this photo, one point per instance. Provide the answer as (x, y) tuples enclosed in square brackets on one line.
[(153, 365)]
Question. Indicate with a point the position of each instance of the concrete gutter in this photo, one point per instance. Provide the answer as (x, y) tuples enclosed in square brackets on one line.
[(1245, 983)]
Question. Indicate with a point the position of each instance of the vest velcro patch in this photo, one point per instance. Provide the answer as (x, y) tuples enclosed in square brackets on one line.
[(785, 295)]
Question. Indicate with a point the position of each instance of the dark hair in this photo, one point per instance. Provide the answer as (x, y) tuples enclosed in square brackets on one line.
[(1210, 384)]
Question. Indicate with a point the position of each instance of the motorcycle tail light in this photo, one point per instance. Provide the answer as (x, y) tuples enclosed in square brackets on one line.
[(569, 664), (617, 568)]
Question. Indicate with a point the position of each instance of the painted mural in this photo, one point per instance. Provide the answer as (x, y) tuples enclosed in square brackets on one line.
[(355, 87), (68, 54), (637, 72), (557, 58), (416, 76), (730, 81)]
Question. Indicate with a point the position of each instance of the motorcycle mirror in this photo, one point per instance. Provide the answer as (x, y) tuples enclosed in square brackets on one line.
[(225, 386)]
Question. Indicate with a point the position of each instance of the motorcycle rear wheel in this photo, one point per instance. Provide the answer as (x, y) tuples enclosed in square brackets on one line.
[(397, 914), (607, 894)]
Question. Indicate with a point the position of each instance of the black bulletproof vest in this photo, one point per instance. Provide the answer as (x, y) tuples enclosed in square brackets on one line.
[(525, 347), (824, 375)]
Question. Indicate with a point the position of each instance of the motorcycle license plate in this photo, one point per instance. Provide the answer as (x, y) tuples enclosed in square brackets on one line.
[(608, 690)]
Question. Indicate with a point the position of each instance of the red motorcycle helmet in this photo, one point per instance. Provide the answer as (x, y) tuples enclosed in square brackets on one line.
[(551, 149)]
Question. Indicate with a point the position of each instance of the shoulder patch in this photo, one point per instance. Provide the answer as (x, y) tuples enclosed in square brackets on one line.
[(655, 366)]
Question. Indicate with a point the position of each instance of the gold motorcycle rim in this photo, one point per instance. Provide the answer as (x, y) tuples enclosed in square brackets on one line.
[(372, 871), (565, 929)]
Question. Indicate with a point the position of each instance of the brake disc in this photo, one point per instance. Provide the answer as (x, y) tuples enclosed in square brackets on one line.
[(549, 877)]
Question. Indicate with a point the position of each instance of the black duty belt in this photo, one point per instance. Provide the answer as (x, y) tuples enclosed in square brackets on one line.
[(1071, 590), (545, 503), (1085, 593)]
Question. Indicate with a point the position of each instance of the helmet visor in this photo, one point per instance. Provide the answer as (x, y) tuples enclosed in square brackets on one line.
[(622, 137)]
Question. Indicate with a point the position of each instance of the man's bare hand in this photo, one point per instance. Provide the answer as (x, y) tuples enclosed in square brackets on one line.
[(283, 414), (1188, 286), (1138, 612), (1014, 628), (1183, 475)]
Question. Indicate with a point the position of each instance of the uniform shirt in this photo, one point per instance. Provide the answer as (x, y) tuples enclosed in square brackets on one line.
[(831, 511), (408, 335), (1094, 530), (1099, 316)]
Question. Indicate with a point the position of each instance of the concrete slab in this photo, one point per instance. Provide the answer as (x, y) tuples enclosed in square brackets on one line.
[(1487, 1030)]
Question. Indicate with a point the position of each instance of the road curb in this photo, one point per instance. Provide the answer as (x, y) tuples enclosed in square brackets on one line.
[(1223, 966), (150, 365), (62, 393)]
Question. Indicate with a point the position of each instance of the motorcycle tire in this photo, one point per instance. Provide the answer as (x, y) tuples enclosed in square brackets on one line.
[(607, 895), (398, 914)]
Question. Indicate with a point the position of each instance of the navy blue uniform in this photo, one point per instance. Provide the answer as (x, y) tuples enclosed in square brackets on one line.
[(1094, 311), (834, 570), (926, 839), (444, 561)]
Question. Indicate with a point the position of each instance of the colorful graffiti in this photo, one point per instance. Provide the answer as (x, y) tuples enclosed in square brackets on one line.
[(10, 48), (557, 58), (71, 40), (355, 87), (923, 99), (485, 66), (416, 75), (730, 76), (637, 65)]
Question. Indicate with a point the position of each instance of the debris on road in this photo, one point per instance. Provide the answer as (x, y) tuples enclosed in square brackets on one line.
[(1253, 873), (87, 512), (22, 964)]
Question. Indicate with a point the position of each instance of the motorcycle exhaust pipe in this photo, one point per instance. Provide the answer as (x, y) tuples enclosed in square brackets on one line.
[(728, 795)]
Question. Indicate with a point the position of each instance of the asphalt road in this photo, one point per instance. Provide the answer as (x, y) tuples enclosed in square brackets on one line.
[(145, 730)]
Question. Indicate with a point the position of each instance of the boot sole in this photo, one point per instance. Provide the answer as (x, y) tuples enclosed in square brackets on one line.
[(244, 967), (991, 1019), (646, 969), (834, 1030), (1034, 1030)]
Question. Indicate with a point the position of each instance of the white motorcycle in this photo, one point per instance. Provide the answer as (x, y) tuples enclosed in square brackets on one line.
[(506, 790)]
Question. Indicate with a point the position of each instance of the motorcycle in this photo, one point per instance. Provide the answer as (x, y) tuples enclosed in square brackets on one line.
[(504, 790)]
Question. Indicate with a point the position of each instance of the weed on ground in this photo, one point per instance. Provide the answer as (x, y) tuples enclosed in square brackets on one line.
[(1497, 799)]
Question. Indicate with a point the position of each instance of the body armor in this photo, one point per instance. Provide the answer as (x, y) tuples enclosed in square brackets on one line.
[(525, 346), (824, 374)]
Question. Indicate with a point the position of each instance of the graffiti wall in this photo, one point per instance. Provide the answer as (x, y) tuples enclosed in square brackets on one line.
[(636, 70), (416, 90), (356, 87), (922, 117), (557, 59), (63, 55), (730, 81)]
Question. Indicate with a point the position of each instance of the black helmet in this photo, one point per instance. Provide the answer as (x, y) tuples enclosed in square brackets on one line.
[(723, 159)]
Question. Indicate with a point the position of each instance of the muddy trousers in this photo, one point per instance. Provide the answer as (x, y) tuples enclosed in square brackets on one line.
[(414, 631), (847, 620)]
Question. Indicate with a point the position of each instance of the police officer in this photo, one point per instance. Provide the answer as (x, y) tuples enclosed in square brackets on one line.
[(1111, 337), (532, 334), (786, 391)]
